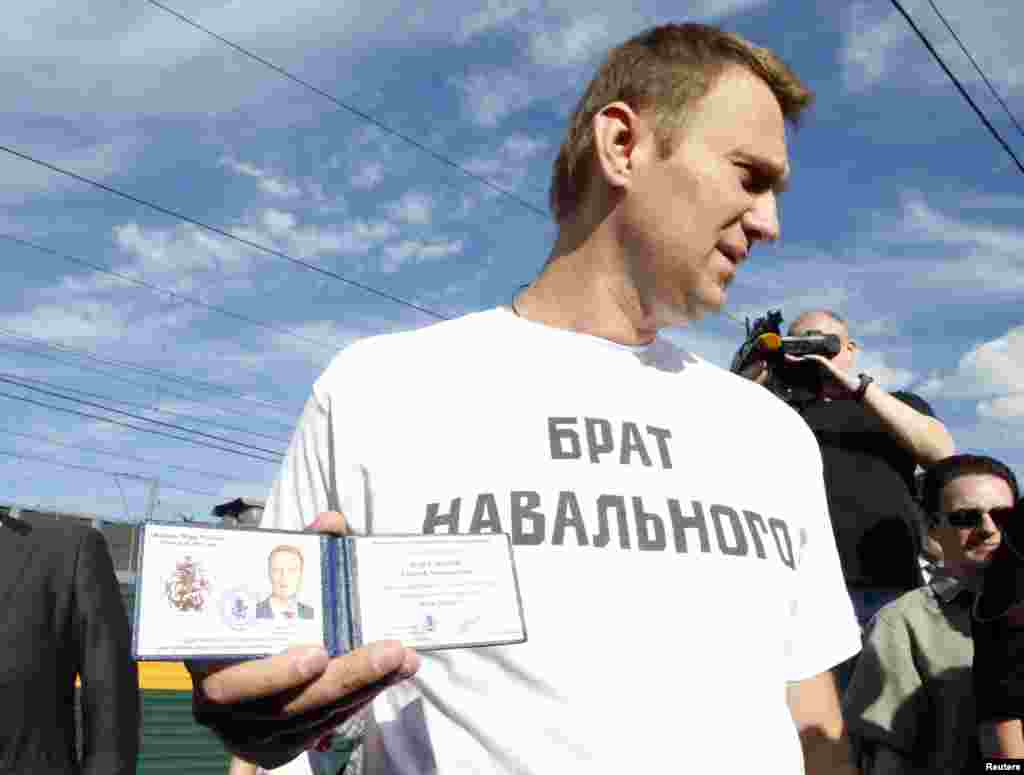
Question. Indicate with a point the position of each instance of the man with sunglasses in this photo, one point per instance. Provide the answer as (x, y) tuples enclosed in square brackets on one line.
[(910, 704)]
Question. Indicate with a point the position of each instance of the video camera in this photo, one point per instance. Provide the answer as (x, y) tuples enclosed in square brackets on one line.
[(794, 383)]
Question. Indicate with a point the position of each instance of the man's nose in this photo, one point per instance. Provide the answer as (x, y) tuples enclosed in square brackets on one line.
[(761, 222), (988, 525)]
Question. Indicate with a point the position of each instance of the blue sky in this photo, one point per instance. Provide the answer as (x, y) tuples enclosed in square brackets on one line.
[(903, 215)]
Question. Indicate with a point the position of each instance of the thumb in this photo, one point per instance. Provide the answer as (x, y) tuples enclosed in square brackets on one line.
[(330, 522)]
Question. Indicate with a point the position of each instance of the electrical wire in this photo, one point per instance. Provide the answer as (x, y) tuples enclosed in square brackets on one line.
[(141, 385), (353, 110), (93, 404), (136, 458), (165, 291), (187, 381), (956, 82), (977, 67), (52, 462), (239, 452), (222, 232), (204, 420)]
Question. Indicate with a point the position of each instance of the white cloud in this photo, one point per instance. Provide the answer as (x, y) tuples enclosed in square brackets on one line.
[(414, 208), (926, 223), (820, 296), (888, 377), (61, 53), (495, 13), (73, 323), (178, 258), (882, 47), (268, 183), (278, 222), (282, 231), (572, 43), (992, 370), (870, 44), (368, 175), (1005, 408), (488, 98), (507, 166), (875, 327), (520, 148), (20, 179), (925, 250), (977, 258), (395, 256)]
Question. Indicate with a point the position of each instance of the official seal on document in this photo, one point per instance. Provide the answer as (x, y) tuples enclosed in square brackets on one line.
[(238, 608), (187, 586)]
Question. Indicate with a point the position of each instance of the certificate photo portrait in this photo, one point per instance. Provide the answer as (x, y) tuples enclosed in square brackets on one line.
[(284, 568)]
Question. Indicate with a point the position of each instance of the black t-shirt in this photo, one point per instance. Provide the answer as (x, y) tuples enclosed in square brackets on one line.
[(869, 480), (998, 669)]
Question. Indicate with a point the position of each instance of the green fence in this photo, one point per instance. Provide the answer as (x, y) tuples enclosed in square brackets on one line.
[(172, 742)]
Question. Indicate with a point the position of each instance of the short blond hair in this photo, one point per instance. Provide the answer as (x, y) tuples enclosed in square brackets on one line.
[(665, 69)]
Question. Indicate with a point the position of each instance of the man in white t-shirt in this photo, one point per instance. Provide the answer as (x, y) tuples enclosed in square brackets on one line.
[(683, 600)]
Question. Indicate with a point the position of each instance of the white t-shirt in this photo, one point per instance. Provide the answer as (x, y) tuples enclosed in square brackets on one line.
[(672, 542)]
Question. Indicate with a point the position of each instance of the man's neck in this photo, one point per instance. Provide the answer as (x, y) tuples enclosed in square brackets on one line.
[(583, 288)]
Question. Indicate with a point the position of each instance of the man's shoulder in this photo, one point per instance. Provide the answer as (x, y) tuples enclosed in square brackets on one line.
[(51, 532), (389, 351), (755, 403), (911, 610)]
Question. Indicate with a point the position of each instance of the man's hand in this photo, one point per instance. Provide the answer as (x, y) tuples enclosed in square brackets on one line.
[(268, 710), (814, 705), (305, 679), (846, 385)]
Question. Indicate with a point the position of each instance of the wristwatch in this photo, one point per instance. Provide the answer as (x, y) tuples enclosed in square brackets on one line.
[(862, 388)]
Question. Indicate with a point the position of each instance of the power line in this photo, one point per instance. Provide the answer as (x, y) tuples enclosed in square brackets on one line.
[(52, 462), (136, 458), (143, 406), (119, 378), (143, 369), (164, 291), (223, 233), (959, 86), (353, 110), (28, 400), (988, 83), (56, 394)]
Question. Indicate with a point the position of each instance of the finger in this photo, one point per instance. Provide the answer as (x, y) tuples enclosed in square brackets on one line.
[(235, 682), (330, 522), (357, 676)]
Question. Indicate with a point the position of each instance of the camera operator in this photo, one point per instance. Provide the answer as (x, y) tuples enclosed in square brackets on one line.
[(871, 441)]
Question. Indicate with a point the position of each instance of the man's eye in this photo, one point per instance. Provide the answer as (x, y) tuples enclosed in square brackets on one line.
[(751, 180)]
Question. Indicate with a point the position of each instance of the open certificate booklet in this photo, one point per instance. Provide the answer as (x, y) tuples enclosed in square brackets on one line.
[(216, 592)]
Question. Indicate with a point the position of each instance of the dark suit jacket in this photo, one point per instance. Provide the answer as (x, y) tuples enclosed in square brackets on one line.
[(264, 611), (61, 615)]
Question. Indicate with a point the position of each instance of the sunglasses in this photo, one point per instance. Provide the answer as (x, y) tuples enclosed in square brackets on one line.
[(964, 518)]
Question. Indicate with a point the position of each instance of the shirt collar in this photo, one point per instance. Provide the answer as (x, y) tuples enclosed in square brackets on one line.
[(946, 587)]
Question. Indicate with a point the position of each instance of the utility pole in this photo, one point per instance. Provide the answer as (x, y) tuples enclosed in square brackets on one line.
[(154, 488)]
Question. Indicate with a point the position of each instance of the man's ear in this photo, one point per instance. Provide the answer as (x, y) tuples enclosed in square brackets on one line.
[(617, 128)]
